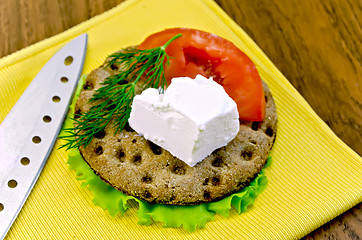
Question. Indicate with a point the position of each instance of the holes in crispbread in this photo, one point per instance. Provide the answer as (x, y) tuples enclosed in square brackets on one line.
[(206, 181), (215, 181), (179, 169), (88, 86), (99, 150), (207, 195), (269, 131), (157, 150), (114, 66), (120, 154), (255, 126), (137, 160), (247, 154), (147, 179), (77, 113), (100, 134), (218, 162), (134, 140)]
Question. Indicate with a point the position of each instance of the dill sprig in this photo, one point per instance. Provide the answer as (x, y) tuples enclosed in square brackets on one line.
[(114, 99)]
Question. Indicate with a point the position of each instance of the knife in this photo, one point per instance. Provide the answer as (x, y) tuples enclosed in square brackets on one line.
[(29, 131)]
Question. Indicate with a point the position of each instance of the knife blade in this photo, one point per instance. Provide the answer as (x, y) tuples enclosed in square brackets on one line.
[(29, 131)]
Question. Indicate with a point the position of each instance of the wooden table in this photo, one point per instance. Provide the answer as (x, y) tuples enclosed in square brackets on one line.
[(315, 44)]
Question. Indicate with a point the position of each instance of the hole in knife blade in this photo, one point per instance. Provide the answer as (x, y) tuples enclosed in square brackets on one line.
[(56, 99), (1, 207), (25, 161), (68, 60), (12, 183), (47, 119), (36, 139), (64, 79)]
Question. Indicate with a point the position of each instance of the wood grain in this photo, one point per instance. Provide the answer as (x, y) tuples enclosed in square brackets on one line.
[(24, 22), (315, 44)]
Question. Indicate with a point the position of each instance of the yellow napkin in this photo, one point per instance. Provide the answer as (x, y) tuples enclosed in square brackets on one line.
[(313, 178)]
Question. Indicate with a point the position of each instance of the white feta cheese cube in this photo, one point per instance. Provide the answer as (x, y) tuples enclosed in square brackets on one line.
[(191, 119)]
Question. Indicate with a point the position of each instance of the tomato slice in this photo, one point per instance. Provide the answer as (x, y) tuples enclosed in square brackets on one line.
[(199, 52)]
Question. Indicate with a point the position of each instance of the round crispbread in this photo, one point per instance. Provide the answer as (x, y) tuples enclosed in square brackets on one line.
[(137, 167)]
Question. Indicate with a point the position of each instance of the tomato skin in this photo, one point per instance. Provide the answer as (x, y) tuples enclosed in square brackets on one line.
[(199, 52)]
